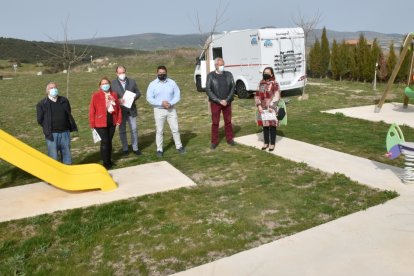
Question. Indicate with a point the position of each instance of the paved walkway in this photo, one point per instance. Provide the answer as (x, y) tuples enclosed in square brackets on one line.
[(378, 241), (41, 198), (389, 113)]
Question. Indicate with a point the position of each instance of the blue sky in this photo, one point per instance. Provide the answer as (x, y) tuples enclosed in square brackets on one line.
[(41, 19)]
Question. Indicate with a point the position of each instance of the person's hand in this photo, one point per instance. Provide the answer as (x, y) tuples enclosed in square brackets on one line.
[(223, 102), (122, 101), (260, 109), (118, 124), (166, 104)]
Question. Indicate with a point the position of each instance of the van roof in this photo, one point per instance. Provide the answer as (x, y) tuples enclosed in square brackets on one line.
[(269, 32)]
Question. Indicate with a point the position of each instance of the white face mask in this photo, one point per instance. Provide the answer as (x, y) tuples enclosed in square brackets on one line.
[(121, 77), (221, 68), (53, 92)]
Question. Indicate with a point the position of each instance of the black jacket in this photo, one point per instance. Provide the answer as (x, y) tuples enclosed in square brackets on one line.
[(44, 115), (212, 87), (130, 85)]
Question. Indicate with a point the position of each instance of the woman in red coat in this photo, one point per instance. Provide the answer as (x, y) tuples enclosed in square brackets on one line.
[(267, 98), (104, 115)]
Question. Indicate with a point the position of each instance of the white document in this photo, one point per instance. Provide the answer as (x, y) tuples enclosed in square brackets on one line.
[(268, 116), (95, 136), (128, 98)]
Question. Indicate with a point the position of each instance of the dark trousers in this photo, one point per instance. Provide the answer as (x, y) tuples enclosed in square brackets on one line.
[(106, 133), (269, 132), (216, 110)]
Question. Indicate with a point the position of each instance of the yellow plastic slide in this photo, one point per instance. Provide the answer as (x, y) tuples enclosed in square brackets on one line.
[(66, 177)]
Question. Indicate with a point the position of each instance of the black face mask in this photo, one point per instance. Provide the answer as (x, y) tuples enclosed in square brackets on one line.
[(266, 76), (162, 77)]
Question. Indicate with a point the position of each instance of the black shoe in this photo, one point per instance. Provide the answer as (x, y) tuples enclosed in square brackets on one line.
[(125, 152), (213, 146), (159, 153), (231, 143), (137, 152), (265, 147), (108, 165), (272, 148), (181, 150)]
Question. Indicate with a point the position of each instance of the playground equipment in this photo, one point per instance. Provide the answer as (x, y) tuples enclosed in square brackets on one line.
[(66, 177), (408, 92), (396, 145)]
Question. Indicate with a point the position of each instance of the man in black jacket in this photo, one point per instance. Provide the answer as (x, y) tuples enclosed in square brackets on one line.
[(220, 90), (54, 115), (129, 114)]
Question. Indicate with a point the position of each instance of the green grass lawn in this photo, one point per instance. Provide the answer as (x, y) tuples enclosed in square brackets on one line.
[(244, 197)]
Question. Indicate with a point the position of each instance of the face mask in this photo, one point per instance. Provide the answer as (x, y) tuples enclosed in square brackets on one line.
[(105, 87), (121, 77), (53, 92), (221, 68), (266, 76), (162, 77)]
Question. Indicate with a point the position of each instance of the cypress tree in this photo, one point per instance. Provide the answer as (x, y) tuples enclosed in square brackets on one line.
[(374, 56), (315, 59), (362, 58), (335, 61), (402, 75), (325, 53), (353, 64), (391, 60), (344, 60)]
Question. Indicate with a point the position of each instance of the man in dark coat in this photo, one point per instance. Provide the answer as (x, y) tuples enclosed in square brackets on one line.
[(220, 91), (121, 85), (55, 117)]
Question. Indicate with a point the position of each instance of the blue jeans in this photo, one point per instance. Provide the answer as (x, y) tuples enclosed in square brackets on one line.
[(59, 148), (132, 122)]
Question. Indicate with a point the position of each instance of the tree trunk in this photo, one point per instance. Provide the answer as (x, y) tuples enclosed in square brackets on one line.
[(67, 81)]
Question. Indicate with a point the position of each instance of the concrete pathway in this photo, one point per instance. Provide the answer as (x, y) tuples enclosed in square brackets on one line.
[(378, 241), (389, 113), (41, 198)]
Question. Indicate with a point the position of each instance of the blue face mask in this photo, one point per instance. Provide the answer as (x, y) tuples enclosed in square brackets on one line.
[(53, 92), (105, 87)]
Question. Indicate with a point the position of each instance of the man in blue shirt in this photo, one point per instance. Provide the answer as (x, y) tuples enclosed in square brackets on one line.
[(163, 94)]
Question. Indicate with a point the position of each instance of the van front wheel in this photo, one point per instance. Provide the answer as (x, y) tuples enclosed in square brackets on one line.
[(198, 84), (241, 90)]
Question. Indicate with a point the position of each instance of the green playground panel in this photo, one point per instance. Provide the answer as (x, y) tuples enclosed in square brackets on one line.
[(394, 136), (409, 92)]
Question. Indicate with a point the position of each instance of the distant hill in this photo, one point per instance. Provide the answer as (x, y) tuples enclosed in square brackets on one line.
[(157, 41), (32, 52), (147, 41)]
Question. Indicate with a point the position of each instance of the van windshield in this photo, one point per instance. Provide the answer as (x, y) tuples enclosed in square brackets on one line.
[(203, 56)]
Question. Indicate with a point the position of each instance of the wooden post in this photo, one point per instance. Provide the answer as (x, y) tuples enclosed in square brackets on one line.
[(407, 42)]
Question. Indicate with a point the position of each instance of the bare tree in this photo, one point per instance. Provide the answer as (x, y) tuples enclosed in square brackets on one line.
[(68, 55), (207, 36), (308, 24)]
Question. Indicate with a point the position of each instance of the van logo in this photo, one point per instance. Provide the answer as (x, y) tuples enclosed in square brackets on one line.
[(254, 41), (268, 43)]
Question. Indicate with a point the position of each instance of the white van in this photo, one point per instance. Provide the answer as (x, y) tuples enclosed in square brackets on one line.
[(247, 52)]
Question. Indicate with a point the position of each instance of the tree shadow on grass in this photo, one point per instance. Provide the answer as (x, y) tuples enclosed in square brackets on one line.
[(222, 133), (186, 137), (14, 175)]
